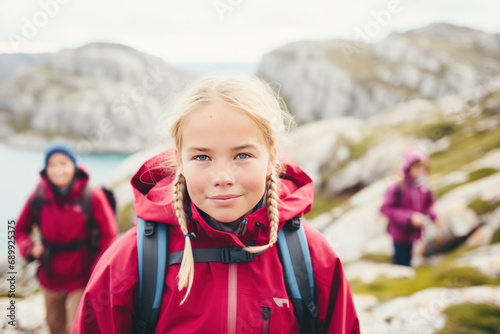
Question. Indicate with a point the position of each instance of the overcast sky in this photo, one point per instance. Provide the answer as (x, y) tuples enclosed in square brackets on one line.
[(221, 30)]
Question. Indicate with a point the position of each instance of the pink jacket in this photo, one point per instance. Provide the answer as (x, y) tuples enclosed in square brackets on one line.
[(62, 222), (225, 298), (399, 204)]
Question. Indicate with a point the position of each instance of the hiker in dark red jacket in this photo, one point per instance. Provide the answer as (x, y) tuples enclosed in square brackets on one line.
[(406, 204), (221, 186), (57, 208)]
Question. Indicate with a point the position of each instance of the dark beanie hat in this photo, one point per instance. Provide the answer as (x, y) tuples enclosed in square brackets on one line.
[(61, 147)]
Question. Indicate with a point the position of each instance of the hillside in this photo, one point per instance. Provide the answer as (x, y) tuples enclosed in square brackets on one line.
[(103, 97), (322, 79)]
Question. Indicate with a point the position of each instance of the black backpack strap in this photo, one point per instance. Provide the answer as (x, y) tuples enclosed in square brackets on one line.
[(37, 204), (152, 256), (298, 274), (399, 192), (225, 255), (94, 232)]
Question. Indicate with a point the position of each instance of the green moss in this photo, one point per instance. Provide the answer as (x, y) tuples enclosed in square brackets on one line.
[(482, 207), (461, 276), (324, 203), (480, 173), (464, 149), (441, 191), (496, 236), (434, 131), (388, 288), (448, 275), (469, 318), (358, 149), (377, 257), (473, 176)]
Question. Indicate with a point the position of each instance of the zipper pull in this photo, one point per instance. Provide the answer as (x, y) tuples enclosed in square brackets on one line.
[(266, 320)]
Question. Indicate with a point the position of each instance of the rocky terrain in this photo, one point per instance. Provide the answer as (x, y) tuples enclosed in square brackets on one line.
[(322, 79), (103, 97)]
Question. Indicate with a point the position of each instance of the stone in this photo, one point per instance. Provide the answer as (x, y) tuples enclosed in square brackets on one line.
[(368, 271), (102, 97), (351, 231), (486, 259)]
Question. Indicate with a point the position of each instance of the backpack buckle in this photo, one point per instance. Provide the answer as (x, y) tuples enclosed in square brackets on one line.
[(293, 224), (234, 255), (149, 228)]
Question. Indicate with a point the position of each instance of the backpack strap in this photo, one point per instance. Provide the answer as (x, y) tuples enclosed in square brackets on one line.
[(152, 255), (37, 204), (399, 192), (225, 255), (298, 274), (94, 232)]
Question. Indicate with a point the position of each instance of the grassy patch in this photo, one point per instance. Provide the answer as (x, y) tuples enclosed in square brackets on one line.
[(482, 207), (426, 277), (441, 191), (324, 203), (480, 173), (447, 275), (469, 318), (434, 131), (473, 176), (463, 150), (377, 257), (461, 276), (496, 236)]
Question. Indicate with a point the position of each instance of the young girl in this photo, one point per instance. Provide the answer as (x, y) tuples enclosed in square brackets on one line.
[(406, 204), (223, 184), (57, 207)]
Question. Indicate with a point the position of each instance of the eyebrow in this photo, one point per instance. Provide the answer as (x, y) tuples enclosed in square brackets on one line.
[(237, 148)]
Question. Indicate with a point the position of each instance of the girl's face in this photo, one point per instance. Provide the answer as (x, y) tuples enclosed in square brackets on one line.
[(60, 169), (417, 169), (225, 161)]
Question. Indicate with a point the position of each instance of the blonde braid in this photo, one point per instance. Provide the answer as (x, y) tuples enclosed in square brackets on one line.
[(186, 272), (272, 212)]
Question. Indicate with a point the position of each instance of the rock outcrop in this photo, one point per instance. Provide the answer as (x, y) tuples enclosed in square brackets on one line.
[(322, 79), (103, 97)]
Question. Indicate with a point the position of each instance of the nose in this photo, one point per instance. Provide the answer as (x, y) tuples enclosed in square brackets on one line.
[(222, 177)]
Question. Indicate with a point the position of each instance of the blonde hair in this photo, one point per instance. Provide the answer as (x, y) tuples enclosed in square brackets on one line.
[(260, 102)]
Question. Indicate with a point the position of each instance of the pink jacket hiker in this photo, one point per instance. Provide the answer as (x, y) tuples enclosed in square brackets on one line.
[(404, 197), (225, 298), (63, 222)]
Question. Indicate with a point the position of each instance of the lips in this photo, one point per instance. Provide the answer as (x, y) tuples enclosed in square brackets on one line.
[(224, 196), (224, 199)]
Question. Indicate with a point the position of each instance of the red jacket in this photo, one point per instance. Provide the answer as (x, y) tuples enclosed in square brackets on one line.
[(224, 298), (63, 222)]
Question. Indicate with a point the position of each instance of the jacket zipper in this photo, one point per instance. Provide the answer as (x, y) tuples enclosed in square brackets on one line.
[(232, 298), (266, 320)]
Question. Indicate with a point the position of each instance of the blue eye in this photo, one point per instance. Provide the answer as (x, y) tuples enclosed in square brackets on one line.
[(243, 156), (201, 157)]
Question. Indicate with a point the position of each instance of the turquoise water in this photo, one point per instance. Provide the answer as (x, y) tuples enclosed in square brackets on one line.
[(19, 175)]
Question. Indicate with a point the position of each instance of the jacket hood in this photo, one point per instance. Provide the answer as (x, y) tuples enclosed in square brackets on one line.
[(152, 186), (411, 156)]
